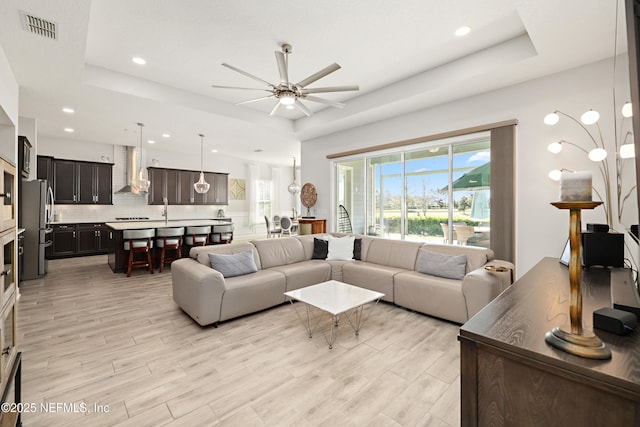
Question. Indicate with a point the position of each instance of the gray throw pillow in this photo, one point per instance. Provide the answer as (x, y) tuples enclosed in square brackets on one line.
[(234, 265), (441, 265)]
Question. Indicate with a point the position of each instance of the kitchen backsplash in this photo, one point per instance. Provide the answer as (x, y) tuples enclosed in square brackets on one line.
[(132, 205)]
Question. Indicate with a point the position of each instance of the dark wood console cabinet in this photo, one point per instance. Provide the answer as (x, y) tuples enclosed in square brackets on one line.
[(511, 377)]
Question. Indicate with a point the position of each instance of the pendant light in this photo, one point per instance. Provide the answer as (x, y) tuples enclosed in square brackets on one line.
[(201, 186), (294, 188), (141, 182)]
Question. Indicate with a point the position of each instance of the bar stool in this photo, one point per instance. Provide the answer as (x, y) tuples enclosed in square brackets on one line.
[(196, 236), (222, 233), (138, 242), (169, 239)]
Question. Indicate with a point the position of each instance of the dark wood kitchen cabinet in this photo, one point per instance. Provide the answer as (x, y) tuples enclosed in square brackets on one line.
[(220, 182), (44, 166), (78, 182), (187, 193), (24, 156), (80, 239), (177, 186), (64, 240), (93, 239), (64, 181)]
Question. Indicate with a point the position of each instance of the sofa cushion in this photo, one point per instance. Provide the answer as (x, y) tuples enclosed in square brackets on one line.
[(435, 296), (320, 249), (305, 273), (282, 251), (233, 265), (371, 276), (340, 248), (251, 293), (441, 265), (476, 257), (199, 253), (392, 253)]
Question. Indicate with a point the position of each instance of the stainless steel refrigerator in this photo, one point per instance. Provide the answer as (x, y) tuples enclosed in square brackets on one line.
[(36, 206)]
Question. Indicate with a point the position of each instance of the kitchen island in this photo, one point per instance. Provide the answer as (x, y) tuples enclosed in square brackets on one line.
[(117, 258)]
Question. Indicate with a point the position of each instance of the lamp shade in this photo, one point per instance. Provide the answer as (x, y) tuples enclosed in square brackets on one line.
[(201, 186), (590, 117), (597, 154), (627, 151), (555, 147), (551, 119), (555, 175)]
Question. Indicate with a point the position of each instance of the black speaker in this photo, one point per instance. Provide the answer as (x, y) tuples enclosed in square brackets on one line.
[(600, 228), (604, 249)]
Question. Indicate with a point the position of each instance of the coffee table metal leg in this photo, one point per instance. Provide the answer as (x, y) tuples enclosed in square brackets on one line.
[(310, 318), (358, 321)]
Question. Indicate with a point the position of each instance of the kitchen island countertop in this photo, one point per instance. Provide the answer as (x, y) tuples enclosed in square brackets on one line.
[(135, 225)]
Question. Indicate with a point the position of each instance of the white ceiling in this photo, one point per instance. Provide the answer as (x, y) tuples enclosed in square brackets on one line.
[(403, 55)]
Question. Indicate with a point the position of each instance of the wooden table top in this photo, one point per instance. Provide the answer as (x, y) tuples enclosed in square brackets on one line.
[(517, 320)]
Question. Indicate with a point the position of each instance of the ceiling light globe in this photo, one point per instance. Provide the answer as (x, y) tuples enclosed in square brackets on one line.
[(287, 99), (590, 117), (555, 147), (627, 151), (627, 110), (551, 119), (555, 175), (597, 154)]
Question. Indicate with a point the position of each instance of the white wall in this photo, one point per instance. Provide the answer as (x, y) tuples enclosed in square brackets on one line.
[(541, 229), (131, 205), (8, 110)]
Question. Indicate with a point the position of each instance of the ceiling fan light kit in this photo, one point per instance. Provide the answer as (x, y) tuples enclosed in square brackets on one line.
[(292, 94)]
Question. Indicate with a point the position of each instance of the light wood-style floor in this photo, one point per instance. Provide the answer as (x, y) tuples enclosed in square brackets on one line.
[(89, 336)]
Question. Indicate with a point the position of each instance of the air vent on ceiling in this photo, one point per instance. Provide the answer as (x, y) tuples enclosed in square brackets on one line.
[(39, 26)]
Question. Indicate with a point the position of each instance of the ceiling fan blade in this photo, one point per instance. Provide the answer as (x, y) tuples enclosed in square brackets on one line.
[(274, 108), (282, 68), (325, 101), (254, 100), (320, 74), (331, 89), (244, 73), (236, 87), (303, 107)]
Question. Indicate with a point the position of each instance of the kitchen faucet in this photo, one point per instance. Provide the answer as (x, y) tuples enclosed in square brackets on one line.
[(165, 211)]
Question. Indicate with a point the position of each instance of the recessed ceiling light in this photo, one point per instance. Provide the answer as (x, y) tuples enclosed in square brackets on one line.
[(138, 60), (166, 135), (151, 141), (214, 151), (462, 31), (70, 130), (68, 110)]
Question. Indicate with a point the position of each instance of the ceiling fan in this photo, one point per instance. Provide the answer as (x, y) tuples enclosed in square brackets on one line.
[(288, 93)]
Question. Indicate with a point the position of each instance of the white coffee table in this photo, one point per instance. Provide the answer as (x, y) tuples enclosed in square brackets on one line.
[(336, 298)]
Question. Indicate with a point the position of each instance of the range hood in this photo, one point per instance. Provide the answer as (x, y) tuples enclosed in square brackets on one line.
[(130, 170)]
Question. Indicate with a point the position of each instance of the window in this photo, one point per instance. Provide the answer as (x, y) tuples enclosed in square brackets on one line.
[(438, 192), (264, 198)]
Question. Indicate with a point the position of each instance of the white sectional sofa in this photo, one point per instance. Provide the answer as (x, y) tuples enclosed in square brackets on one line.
[(388, 266)]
